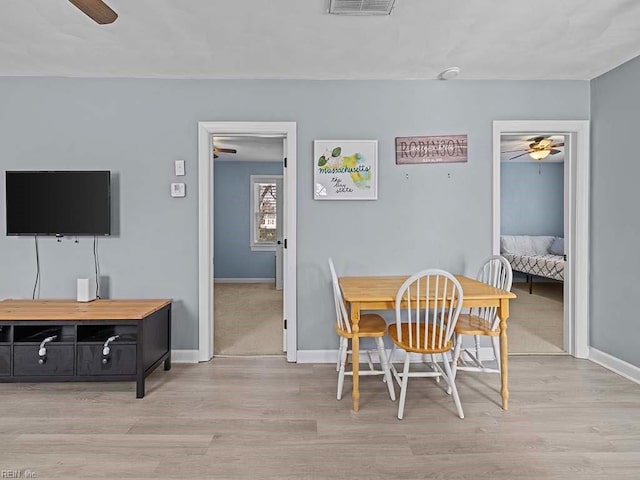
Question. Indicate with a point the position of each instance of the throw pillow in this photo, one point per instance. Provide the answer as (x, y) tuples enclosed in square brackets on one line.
[(557, 247)]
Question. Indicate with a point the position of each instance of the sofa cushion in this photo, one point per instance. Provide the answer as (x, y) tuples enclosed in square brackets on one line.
[(526, 244), (541, 244), (515, 244)]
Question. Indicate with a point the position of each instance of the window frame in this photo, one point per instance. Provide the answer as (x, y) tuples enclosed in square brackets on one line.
[(253, 244)]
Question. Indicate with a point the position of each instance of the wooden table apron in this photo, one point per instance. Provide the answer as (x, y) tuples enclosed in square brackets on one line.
[(379, 293)]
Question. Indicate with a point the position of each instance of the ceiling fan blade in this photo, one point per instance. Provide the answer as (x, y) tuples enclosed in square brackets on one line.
[(97, 10), (557, 145), (519, 155), (215, 155), (224, 150), (518, 150), (536, 139), (553, 151)]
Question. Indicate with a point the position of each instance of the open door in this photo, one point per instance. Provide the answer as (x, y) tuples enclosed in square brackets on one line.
[(279, 234)]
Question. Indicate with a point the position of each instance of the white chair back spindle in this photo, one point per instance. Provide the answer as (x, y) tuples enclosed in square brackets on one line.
[(427, 308)]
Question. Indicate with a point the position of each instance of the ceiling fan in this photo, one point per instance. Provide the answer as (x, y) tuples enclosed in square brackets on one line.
[(97, 10), (217, 150), (539, 148)]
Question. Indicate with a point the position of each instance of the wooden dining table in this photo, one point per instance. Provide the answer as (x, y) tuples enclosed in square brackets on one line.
[(379, 293)]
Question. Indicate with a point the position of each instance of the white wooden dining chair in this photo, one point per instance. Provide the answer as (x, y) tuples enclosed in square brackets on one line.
[(427, 307), (371, 326), (482, 322)]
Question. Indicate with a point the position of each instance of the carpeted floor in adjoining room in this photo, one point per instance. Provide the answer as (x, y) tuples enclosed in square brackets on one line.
[(535, 323), (248, 319)]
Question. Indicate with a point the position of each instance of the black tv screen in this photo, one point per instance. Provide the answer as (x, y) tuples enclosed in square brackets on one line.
[(58, 203)]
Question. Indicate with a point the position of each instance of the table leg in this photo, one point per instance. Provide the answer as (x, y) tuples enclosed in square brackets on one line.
[(355, 355), (503, 314)]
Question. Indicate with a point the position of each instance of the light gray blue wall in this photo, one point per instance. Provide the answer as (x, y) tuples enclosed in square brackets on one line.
[(440, 216), (615, 221), (232, 254), (532, 199)]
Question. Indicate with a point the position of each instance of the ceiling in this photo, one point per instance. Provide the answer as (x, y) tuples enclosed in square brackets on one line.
[(520, 143), (489, 39)]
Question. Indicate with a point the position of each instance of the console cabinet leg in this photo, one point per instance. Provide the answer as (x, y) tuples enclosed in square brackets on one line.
[(140, 388), (140, 362), (167, 362)]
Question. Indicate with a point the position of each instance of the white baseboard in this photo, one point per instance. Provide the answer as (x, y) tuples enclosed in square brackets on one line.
[(244, 280), (317, 356), (614, 364), (184, 356)]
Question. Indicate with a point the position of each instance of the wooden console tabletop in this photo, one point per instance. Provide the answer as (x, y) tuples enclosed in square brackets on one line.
[(56, 310)]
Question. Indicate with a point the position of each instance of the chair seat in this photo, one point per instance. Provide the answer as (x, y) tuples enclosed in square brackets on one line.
[(474, 325), (371, 325), (404, 343)]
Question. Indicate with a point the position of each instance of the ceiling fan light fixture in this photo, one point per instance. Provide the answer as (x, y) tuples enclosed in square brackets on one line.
[(539, 154)]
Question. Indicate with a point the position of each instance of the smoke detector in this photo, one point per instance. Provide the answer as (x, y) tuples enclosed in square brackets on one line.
[(361, 7), (450, 73)]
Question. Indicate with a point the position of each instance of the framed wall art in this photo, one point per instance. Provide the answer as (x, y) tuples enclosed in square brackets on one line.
[(432, 149), (345, 169)]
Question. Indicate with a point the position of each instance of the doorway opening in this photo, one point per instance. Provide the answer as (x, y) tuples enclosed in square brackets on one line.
[(284, 238), (532, 231), (247, 230), (575, 222)]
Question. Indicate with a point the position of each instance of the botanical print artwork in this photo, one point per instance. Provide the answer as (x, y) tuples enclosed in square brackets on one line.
[(345, 170)]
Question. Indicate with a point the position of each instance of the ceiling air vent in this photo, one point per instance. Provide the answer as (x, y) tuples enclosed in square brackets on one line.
[(361, 7)]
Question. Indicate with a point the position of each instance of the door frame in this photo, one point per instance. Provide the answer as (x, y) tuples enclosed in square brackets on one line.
[(576, 304), (206, 130)]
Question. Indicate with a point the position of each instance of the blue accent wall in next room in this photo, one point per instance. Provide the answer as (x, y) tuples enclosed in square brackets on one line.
[(532, 199), (232, 254)]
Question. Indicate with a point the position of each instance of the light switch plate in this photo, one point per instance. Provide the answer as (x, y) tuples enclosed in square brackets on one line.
[(178, 190), (179, 168)]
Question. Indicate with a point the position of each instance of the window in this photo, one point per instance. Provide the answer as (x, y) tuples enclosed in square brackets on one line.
[(264, 218)]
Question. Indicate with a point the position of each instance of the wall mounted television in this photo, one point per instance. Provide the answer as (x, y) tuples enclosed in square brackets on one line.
[(58, 203)]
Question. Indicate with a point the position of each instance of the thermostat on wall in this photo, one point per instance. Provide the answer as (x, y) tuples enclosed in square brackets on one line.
[(178, 190)]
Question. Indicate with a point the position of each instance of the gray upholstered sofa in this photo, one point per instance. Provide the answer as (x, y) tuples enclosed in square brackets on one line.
[(535, 255)]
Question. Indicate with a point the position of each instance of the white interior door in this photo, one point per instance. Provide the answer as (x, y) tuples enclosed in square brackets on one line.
[(279, 234)]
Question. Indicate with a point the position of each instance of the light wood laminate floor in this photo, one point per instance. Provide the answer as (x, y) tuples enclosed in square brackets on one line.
[(247, 418)]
